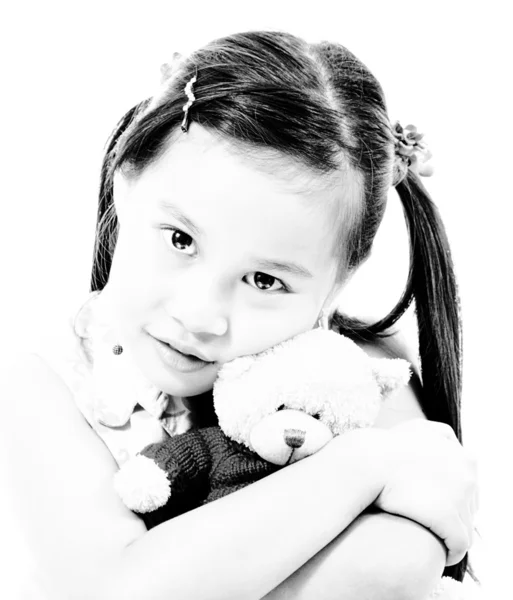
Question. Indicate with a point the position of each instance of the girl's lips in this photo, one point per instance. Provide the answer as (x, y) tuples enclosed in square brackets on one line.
[(177, 360), (184, 349)]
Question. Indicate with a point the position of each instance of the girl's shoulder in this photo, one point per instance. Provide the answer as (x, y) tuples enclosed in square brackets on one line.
[(401, 343), (60, 347)]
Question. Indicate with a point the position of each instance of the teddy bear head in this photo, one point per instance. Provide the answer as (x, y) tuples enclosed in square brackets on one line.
[(289, 401)]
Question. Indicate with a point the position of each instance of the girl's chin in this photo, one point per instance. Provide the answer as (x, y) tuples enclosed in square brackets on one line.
[(181, 384), (161, 371), (185, 389)]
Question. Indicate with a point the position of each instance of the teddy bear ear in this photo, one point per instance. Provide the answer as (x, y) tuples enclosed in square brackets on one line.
[(390, 374)]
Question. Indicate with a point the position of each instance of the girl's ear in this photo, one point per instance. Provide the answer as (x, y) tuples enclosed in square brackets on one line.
[(332, 302)]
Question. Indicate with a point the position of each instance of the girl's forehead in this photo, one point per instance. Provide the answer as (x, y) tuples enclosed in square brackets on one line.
[(259, 198), (202, 162), (229, 162)]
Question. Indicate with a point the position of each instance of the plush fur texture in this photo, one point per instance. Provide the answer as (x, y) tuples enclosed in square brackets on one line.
[(274, 408)]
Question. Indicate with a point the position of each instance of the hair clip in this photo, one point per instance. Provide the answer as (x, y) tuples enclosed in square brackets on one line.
[(411, 150), (190, 95)]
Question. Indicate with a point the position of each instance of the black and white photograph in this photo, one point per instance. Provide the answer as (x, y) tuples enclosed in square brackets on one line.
[(255, 300)]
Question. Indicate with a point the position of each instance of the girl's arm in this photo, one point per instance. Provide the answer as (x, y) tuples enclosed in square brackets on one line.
[(379, 556), (242, 546), (92, 547)]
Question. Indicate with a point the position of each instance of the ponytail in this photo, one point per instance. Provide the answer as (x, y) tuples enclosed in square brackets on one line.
[(437, 305), (431, 282), (438, 314)]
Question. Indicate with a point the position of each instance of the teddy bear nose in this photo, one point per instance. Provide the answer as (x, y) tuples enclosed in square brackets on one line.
[(294, 438)]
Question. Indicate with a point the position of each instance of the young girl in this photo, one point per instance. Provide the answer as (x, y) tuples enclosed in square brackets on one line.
[(234, 207)]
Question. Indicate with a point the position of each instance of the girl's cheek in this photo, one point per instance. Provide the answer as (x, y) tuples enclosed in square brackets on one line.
[(149, 263), (253, 331)]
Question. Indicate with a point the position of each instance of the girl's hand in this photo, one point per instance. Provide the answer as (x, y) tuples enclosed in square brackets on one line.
[(430, 478)]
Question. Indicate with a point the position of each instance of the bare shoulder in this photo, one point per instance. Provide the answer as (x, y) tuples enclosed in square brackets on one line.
[(30, 390), (59, 474), (34, 397), (404, 405), (396, 345)]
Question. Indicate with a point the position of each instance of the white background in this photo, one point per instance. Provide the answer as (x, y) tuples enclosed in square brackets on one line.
[(70, 70)]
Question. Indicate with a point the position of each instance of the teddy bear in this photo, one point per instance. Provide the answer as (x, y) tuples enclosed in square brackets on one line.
[(273, 408)]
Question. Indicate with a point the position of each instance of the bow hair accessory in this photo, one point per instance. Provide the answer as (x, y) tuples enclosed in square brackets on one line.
[(169, 69)]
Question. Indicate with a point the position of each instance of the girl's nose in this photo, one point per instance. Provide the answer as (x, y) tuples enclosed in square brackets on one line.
[(199, 313), (198, 325)]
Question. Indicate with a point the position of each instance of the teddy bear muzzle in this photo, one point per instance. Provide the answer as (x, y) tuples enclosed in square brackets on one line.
[(288, 435), (294, 438)]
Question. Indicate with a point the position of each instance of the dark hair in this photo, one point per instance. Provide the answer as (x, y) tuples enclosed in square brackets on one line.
[(318, 105)]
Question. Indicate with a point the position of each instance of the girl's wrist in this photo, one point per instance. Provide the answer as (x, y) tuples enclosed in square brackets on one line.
[(363, 448)]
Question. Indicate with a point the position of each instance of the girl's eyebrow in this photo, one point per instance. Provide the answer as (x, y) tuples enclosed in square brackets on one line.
[(287, 267), (175, 212), (262, 263)]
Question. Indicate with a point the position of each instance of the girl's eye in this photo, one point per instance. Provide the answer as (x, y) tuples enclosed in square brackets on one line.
[(180, 240), (266, 282)]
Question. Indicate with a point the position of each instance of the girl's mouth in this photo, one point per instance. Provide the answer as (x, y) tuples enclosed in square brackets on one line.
[(178, 361)]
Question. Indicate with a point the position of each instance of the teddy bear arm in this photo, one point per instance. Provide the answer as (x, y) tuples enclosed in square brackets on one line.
[(186, 459), (233, 467)]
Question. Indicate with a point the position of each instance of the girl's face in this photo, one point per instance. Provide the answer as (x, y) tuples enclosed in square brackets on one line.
[(218, 256)]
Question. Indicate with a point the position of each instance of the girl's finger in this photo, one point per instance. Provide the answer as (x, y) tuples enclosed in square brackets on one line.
[(475, 502), (458, 540), (467, 518), (453, 531)]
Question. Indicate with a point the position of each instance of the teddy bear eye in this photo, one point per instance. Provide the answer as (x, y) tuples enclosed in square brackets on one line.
[(317, 416)]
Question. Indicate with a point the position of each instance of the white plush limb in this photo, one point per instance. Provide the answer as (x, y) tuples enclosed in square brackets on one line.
[(142, 485), (390, 374)]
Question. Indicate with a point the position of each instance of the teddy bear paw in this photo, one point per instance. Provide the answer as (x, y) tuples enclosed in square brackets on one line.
[(142, 485)]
